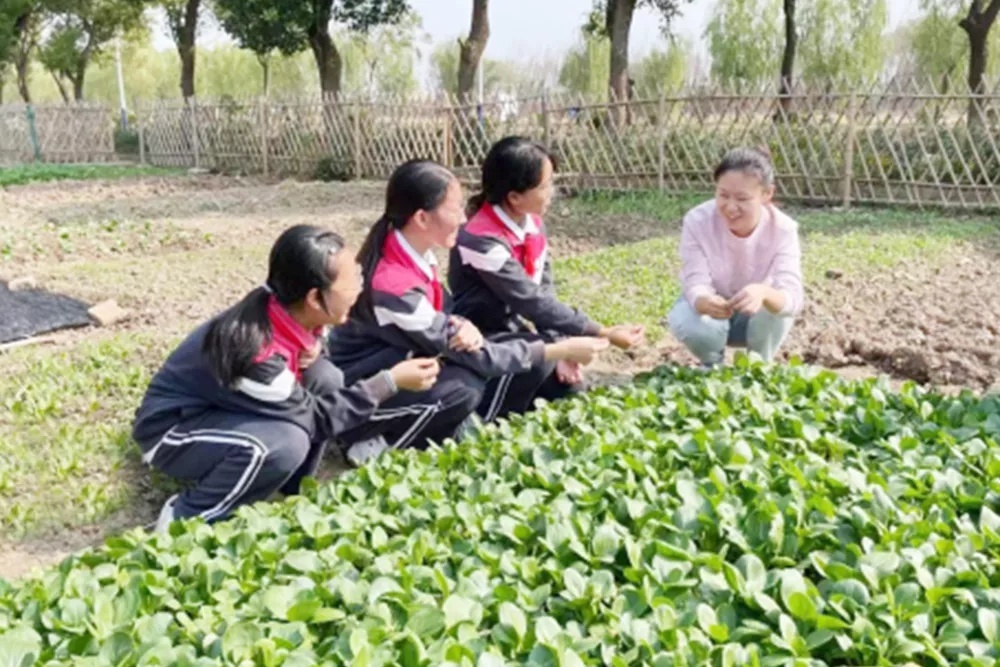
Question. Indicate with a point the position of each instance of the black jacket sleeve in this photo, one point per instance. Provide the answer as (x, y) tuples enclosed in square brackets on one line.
[(412, 320), (493, 261)]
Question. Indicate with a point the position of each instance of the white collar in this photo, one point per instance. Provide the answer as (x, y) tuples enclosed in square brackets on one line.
[(426, 262), (520, 232)]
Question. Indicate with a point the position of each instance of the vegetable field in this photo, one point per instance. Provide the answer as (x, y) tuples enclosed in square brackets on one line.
[(745, 517), (809, 514)]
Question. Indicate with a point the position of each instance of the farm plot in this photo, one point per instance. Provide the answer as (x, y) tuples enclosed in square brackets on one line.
[(901, 292)]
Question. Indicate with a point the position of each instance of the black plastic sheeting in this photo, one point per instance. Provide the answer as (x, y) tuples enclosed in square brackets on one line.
[(27, 313)]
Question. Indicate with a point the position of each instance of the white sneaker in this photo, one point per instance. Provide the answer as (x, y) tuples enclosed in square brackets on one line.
[(366, 450), (166, 515)]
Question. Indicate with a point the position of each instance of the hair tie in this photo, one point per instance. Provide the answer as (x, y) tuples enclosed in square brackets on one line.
[(267, 288)]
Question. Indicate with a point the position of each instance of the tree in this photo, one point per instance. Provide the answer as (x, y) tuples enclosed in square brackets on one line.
[(788, 54), (471, 48), (842, 40), (617, 25), (977, 24), (744, 41), (585, 68), (182, 17), (308, 24), (664, 69), (261, 26), (497, 74), (78, 31), (380, 62), (18, 39)]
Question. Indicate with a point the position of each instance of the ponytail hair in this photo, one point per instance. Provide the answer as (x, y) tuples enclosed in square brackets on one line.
[(513, 164), (416, 185), (299, 263)]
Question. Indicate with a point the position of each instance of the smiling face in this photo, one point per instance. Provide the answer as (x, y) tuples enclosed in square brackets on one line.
[(537, 200), (442, 224), (740, 198)]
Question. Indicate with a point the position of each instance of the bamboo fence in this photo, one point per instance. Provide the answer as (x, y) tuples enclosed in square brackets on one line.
[(58, 133), (895, 143)]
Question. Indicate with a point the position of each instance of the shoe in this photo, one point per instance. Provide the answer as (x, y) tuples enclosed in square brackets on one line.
[(166, 515), (365, 450)]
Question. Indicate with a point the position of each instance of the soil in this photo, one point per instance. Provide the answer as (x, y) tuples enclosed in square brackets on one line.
[(182, 248)]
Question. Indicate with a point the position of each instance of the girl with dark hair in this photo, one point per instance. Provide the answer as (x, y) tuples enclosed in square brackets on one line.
[(244, 406), (500, 271), (740, 265), (404, 310)]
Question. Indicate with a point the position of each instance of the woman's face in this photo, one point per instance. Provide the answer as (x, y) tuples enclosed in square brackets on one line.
[(343, 292), (442, 224), (740, 197), (537, 200)]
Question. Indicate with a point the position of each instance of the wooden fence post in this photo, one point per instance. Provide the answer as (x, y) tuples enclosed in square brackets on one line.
[(546, 126), (358, 171), (140, 128), (195, 139), (446, 157), (852, 120), (661, 159), (264, 127)]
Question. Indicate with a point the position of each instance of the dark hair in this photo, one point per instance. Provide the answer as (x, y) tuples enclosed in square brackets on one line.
[(513, 164), (299, 262), (754, 161), (417, 185)]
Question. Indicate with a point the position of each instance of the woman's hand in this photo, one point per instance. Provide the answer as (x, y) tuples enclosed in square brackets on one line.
[(415, 374), (624, 336), (750, 299), (714, 306), (308, 357), (467, 338), (569, 372)]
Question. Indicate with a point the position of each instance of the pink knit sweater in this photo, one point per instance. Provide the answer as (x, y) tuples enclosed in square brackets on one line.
[(715, 261)]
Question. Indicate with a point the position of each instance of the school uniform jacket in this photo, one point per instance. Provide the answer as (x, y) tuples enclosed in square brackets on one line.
[(409, 316), (273, 388), (500, 276)]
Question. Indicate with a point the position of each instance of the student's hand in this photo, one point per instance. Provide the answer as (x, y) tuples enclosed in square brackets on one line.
[(468, 338), (569, 372), (624, 336), (580, 349), (750, 299), (415, 374), (714, 306), (308, 357)]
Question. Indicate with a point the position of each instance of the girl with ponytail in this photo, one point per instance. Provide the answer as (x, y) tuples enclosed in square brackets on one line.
[(500, 270), (245, 405), (404, 311)]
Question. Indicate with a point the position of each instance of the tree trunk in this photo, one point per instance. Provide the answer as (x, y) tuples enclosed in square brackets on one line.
[(27, 39), (788, 58), (619, 19), (22, 78), (265, 65), (328, 61), (61, 87), (185, 32), (471, 49), (977, 24)]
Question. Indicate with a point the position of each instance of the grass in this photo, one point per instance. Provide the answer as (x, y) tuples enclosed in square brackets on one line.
[(65, 430), (39, 173)]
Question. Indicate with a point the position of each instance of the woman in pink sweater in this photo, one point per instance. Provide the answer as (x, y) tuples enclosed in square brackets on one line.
[(740, 269)]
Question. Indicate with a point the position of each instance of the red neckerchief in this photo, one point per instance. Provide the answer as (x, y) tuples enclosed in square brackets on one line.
[(531, 248), (288, 338), (392, 251)]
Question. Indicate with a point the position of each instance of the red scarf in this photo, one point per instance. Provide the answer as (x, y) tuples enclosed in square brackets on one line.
[(394, 252), (528, 251)]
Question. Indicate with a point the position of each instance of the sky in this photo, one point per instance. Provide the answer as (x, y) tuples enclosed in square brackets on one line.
[(538, 30)]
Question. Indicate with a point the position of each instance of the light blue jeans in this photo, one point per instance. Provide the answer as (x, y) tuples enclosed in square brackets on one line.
[(707, 337)]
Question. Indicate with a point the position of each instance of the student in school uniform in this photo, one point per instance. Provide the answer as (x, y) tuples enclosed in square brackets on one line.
[(404, 310), (740, 265), (500, 271), (245, 405)]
